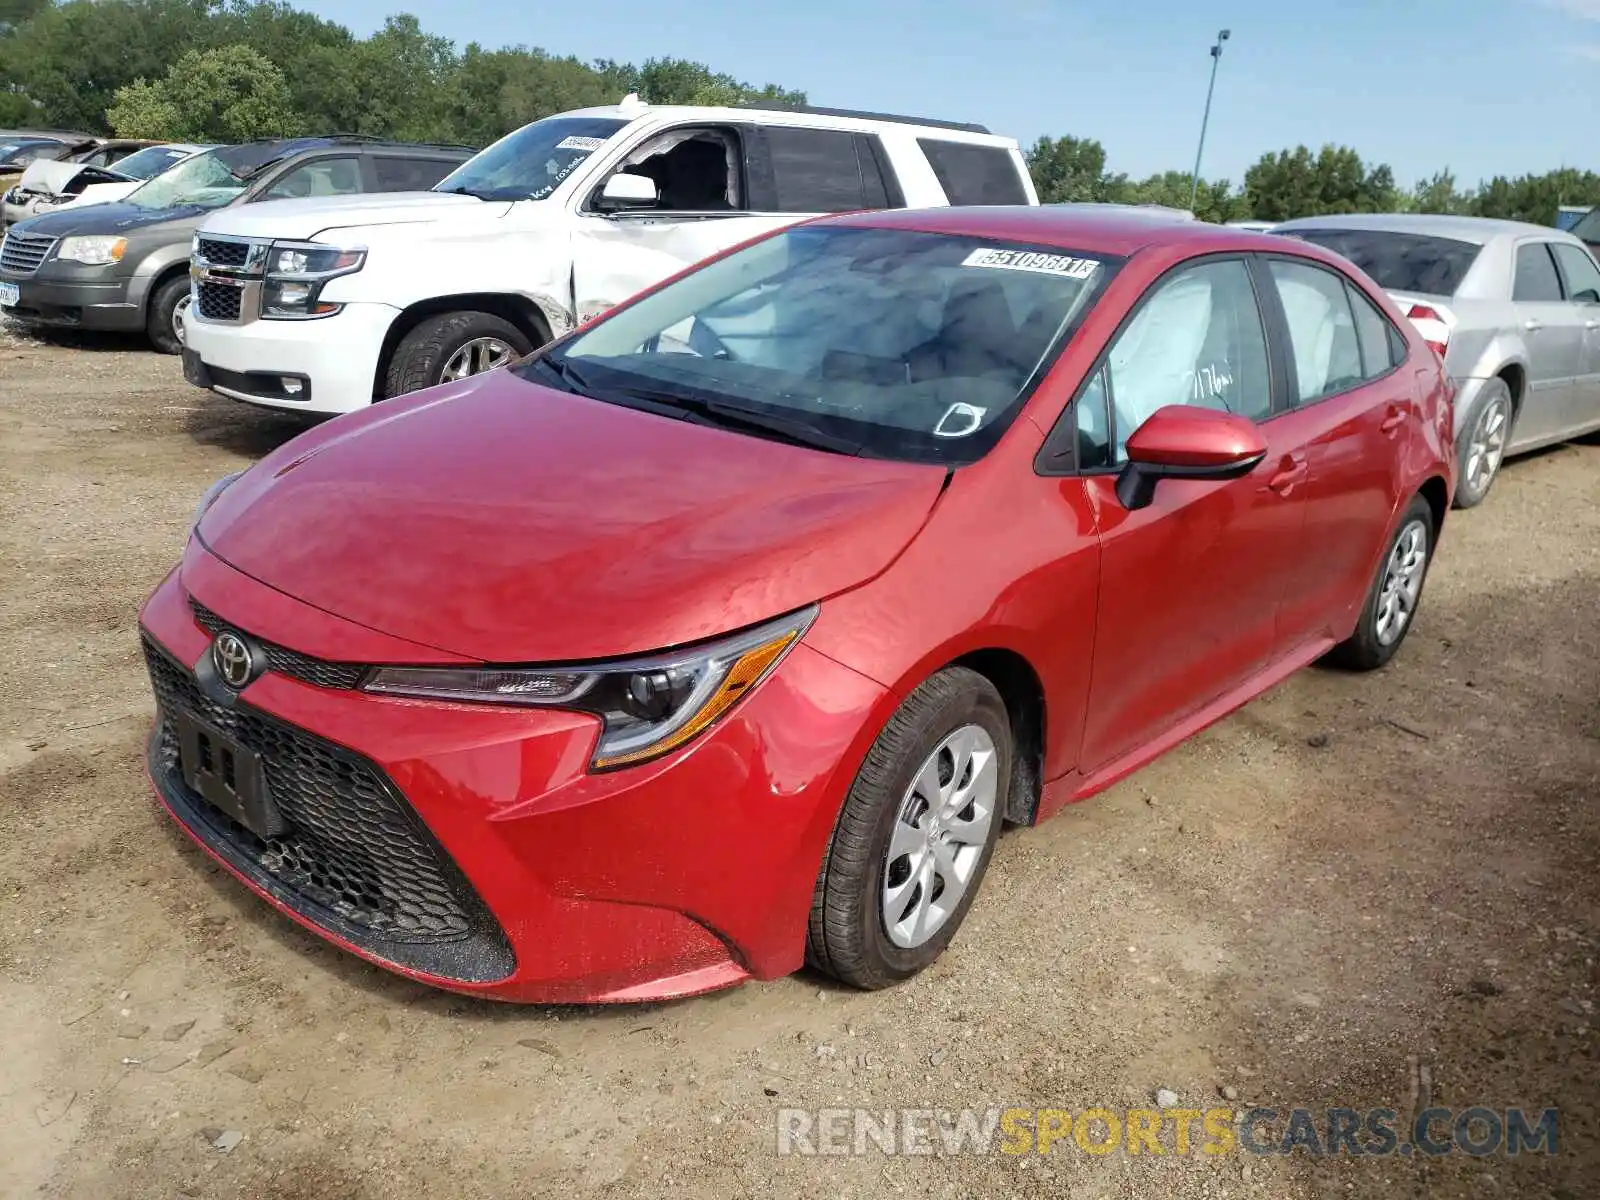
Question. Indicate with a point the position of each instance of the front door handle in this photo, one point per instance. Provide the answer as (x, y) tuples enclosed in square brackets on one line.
[(1591, 324), (1291, 474), (1533, 324)]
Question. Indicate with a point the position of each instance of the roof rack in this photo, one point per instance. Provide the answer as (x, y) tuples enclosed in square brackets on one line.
[(862, 114), (387, 141)]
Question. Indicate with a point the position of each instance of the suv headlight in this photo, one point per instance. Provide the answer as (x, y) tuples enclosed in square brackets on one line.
[(296, 274), (92, 251), (649, 706)]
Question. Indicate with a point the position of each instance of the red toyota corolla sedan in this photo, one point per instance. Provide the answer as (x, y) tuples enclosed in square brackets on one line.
[(724, 634)]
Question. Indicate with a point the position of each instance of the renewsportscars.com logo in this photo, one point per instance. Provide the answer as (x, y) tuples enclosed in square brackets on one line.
[(1349, 1132)]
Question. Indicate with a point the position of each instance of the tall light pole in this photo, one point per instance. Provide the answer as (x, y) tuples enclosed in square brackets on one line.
[(1216, 59)]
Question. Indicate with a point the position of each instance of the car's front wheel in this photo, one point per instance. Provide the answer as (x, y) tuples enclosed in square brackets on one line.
[(164, 320), (452, 346), (1396, 591), (915, 834)]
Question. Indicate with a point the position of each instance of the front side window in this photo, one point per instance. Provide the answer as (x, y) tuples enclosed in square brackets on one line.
[(694, 169), (1195, 339), (886, 342), (1580, 272), (532, 162), (1535, 280), (321, 177), (204, 181), (1400, 262), (1322, 329)]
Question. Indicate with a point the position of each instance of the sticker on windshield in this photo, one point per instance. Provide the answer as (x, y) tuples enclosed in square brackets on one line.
[(1032, 260), (959, 420), (580, 143)]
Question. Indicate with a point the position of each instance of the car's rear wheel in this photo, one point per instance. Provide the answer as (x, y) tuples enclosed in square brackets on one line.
[(164, 320), (452, 346), (1392, 601), (1483, 449), (915, 834)]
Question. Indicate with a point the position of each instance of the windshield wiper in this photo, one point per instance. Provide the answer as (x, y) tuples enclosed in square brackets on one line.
[(737, 416), (463, 191), (572, 379)]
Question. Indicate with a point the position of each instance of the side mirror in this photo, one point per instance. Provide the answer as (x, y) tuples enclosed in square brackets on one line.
[(627, 191), (1182, 442), (1587, 296)]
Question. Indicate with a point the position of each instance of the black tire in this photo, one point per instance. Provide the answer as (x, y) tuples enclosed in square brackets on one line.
[(847, 935), (158, 314), (1495, 393), (1364, 650), (419, 360)]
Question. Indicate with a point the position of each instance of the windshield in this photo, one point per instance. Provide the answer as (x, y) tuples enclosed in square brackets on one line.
[(203, 181), (885, 342), (531, 163), (1588, 228), (149, 162), (1400, 262), (26, 150)]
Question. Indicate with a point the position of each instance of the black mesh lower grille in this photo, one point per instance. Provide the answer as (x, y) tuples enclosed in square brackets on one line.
[(355, 858), (219, 301), (282, 659)]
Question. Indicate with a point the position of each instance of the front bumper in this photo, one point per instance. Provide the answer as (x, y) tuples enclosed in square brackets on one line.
[(679, 876), (101, 304), (336, 356)]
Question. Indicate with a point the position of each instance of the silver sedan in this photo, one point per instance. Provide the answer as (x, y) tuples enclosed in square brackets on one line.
[(1513, 309)]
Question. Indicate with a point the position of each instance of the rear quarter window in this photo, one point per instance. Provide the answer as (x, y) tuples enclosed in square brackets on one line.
[(1400, 262), (973, 174)]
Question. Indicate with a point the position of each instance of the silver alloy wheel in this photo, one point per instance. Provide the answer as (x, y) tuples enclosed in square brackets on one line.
[(939, 836), (476, 357), (1488, 444), (179, 311), (1402, 583)]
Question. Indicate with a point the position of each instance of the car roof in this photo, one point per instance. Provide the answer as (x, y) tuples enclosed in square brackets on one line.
[(1479, 230), (1109, 231), (250, 158), (632, 109)]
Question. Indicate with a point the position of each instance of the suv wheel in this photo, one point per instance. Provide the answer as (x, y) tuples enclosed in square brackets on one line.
[(915, 834), (164, 321), (452, 346)]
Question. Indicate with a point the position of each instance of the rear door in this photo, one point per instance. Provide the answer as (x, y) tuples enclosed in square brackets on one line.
[(1580, 280), (1190, 584), (1552, 329), (1352, 406)]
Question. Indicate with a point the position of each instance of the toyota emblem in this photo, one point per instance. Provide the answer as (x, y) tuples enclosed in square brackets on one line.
[(233, 660)]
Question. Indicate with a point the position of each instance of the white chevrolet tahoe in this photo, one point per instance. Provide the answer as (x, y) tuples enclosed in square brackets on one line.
[(323, 305)]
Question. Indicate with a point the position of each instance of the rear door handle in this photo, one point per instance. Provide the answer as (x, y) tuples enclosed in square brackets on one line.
[(1393, 421), (1591, 324), (1289, 476)]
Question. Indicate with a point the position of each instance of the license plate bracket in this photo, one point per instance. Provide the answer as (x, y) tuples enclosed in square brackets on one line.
[(10, 295), (227, 775)]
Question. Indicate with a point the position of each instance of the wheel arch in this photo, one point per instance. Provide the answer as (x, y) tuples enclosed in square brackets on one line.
[(1437, 494), (1018, 683), (525, 312)]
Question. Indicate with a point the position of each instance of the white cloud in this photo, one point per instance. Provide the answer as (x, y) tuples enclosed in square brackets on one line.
[(1586, 10), (1590, 51)]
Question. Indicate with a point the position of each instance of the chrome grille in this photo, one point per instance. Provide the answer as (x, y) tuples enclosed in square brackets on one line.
[(22, 253)]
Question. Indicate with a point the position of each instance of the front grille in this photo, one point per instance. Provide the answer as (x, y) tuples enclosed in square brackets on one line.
[(224, 254), (303, 667), (21, 253), (218, 301), (355, 858)]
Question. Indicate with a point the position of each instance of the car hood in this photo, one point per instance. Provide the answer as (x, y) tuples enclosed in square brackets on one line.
[(504, 521), (309, 217), (47, 175), (105, 218), (100, 193)]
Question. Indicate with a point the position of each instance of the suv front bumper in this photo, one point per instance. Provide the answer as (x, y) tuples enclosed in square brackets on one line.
[(336, 358)]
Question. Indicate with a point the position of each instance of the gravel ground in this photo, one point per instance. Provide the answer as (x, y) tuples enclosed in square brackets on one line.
[(1359, 891)]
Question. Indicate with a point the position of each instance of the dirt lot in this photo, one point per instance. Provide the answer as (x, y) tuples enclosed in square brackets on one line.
[(1352, 887)]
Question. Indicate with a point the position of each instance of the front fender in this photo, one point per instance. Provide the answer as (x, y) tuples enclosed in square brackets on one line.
[(152, 267)]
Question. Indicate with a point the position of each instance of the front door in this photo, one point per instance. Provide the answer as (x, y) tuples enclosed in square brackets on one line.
[(1191, 584), (1552, 329), (1580, 280)]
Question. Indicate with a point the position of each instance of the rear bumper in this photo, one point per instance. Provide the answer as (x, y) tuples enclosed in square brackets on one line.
[(73, 305), (336, 356), (676, 877)]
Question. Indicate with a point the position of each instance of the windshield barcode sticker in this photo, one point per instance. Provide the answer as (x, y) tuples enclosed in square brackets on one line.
[(1032, 260), (580, 143)]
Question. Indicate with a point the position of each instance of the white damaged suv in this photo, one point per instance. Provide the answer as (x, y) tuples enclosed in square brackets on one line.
[(323, 305)]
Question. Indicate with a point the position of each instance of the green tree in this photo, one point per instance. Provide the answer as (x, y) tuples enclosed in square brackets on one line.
[(14, 12), (1438, 194), (1536, 198), (231, 94), (1072, 170), (1296, 183)]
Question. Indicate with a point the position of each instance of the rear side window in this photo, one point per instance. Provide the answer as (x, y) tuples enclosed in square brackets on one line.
[(1322, 329), (1578, 269), (822, 170), (1536, 280), (1374, 335), (971, 174), (1400, 262), (394, 174)]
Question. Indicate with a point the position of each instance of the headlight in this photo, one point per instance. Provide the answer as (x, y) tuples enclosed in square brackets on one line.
[(296, 274), (210, 497), (92, 251), (649, 706)]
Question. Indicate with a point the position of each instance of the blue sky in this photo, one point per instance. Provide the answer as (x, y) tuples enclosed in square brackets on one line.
[(1482, 86)]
